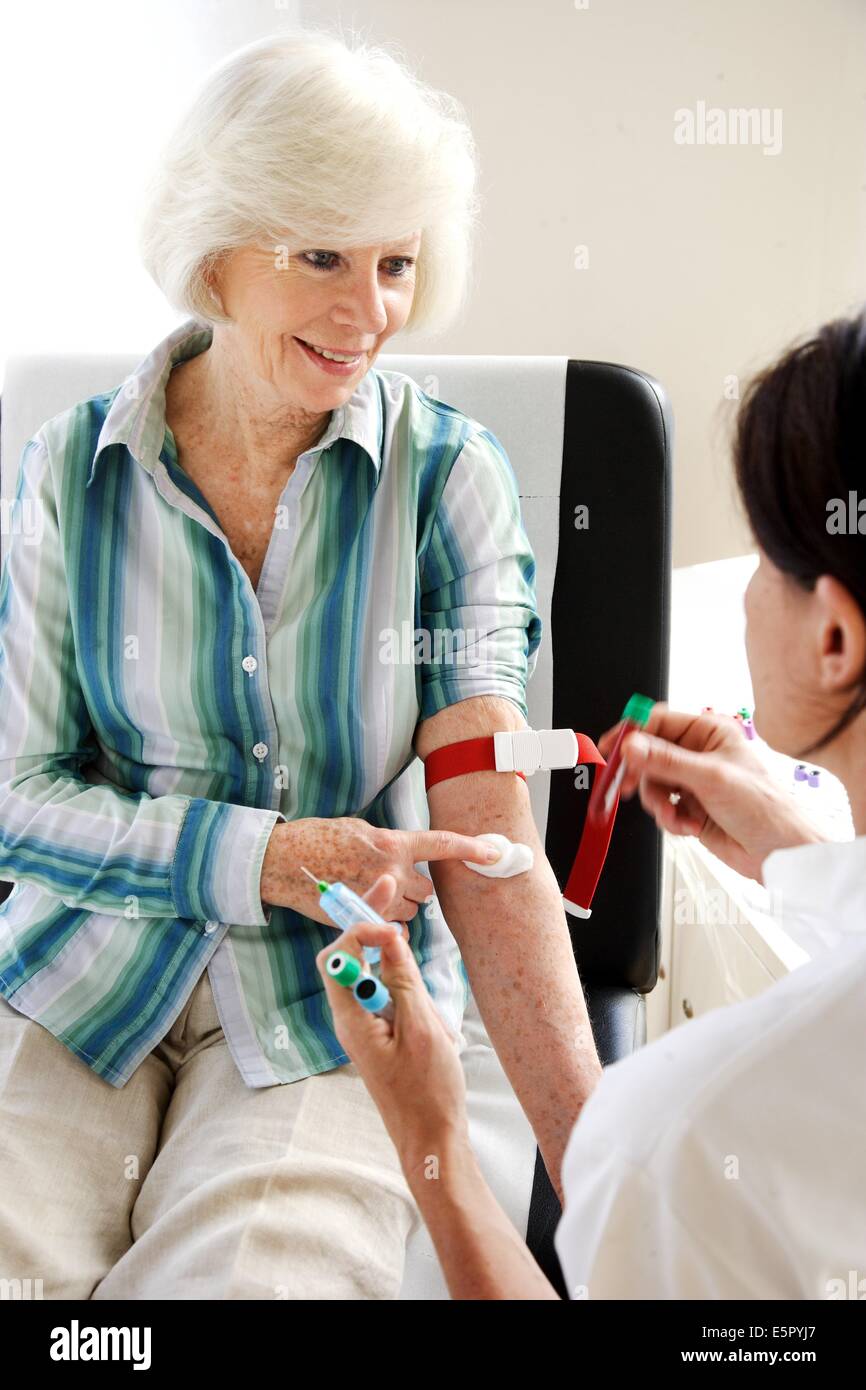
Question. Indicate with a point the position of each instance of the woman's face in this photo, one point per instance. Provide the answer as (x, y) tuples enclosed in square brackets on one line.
[(350, 302), (806, 650)]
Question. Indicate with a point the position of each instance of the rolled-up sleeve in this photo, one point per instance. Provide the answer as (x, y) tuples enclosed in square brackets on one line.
[(92, 845), (480, 625)]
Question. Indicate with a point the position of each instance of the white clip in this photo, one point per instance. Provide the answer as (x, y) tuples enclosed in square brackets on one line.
[(534, 750)]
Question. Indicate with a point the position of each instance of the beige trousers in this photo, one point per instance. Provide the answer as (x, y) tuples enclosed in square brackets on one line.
[(186, 1183)]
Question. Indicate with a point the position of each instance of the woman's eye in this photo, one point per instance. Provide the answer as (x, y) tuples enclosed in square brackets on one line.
[(305, 255), (403, 262)]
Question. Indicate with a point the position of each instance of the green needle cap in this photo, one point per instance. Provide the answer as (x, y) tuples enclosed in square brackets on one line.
[(638, 709)]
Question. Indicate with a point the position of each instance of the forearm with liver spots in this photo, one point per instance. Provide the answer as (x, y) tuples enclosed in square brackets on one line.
[(514, 939)]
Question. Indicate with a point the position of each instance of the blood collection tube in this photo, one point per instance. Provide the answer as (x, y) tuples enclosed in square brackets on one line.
[(609, 778)]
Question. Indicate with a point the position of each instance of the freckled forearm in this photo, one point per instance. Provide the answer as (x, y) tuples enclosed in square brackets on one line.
[(513, 936)]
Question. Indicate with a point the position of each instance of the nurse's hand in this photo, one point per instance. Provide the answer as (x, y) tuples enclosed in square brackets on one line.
[(410, 1064), (727, 797), (352, 851)]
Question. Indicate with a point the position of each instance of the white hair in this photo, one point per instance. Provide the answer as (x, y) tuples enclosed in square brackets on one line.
[(300, 138)]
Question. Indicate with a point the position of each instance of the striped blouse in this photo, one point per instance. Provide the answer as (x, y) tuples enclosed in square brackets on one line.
[(158, 715)]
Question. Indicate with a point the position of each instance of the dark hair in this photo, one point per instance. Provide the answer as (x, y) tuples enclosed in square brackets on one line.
[(800, 442)]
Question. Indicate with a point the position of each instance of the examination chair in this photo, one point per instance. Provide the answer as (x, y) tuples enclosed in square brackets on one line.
[(580, 435)]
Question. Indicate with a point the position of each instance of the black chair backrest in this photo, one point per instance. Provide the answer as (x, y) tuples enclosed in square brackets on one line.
[(610, 628)]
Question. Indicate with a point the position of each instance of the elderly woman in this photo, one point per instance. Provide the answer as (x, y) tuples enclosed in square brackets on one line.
[(724, 1161), (205, 690)]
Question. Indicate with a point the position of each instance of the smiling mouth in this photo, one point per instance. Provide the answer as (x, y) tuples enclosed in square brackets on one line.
[(340, 352)]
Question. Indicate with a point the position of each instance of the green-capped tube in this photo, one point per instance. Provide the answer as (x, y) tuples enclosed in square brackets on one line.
[(638, 710), (343, 968)]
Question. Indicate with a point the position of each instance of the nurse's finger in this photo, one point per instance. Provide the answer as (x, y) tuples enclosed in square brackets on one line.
[(682, 727), (352, 942), (677, 768), (354, 1025), (684, 818)]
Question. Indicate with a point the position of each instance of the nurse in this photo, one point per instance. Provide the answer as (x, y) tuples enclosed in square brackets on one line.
[(724, 1160)]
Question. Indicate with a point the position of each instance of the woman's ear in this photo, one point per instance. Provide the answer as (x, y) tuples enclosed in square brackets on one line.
[(841, 636), (211, 274)]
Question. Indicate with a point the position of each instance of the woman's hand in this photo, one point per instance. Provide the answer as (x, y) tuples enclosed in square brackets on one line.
[(410, 1065), (354, 852), (727, 797)]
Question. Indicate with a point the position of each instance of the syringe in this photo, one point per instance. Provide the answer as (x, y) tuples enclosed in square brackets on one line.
[(345, 909)]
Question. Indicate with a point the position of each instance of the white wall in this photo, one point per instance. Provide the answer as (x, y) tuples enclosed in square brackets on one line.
[(88, 93), (703, 260)]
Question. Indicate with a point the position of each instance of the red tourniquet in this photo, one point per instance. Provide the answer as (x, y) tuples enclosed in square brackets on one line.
[(478, 755)]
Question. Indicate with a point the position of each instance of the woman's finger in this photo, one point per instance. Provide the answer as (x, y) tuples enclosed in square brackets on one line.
[(446, 844), (419, 887), (412, 908)]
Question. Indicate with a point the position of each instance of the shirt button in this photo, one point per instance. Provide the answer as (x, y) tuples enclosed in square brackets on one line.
[(260, 751), (249, 663), (210, 926)]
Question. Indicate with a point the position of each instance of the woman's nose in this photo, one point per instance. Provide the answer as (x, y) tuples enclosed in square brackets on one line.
[(363, 305)]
